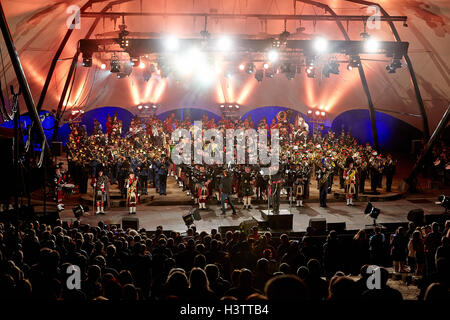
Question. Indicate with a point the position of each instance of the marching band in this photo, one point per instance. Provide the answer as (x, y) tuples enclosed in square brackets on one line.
[(143, 154)]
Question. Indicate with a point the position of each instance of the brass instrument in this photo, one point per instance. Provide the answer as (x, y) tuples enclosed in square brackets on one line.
[(324, 177), (350, 177)]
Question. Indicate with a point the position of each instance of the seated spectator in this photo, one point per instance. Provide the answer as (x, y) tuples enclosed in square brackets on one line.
[(216, 283), (199, 287), (244, 289), (342, 288), (286, 288), (317, 286), (176, 286), (262, 274), (437, 292), (302, 273)]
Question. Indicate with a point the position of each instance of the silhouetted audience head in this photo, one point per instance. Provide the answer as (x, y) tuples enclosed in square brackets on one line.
[(286, 287)]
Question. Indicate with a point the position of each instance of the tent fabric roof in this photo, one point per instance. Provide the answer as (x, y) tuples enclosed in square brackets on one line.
[(39, 26)]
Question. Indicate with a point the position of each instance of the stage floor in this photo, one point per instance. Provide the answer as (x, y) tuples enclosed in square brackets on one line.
[(168, 210), (170, 216)]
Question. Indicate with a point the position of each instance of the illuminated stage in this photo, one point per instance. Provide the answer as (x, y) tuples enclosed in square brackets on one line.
[(169, 213)]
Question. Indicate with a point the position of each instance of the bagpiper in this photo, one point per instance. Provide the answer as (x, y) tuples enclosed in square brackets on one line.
[(101, 191), (246, 187), (202, 196), (350, 183), (60, 180), (132, 195)]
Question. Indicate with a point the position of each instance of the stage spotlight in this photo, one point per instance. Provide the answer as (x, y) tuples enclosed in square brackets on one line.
[(123, 41), (322, 113), (205, 74), (269, 73), (259, 75), (171, 43), (284, 67), (371, 45), (222, 106), (125, 71), (146, 107), (266, 65), (87, 61), (241, 67), (224, 44), (139, 107), (115, 65), (236, 106), (276, 43), (396, 64), (311, 72), (229, 73), (154, 106), (272, 55), (230, 106), (78, 211), (135, 61), (444, 201), (320, 44), (353, 62), (310, 112), (250, 67), (331, 67), (103, 66), (317, 113), (372, 212), (142, 65)]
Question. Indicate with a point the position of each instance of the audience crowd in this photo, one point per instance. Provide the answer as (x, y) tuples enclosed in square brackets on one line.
[(36, 262)]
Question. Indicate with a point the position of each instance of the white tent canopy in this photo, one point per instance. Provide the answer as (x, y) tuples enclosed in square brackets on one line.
[(38, 28)]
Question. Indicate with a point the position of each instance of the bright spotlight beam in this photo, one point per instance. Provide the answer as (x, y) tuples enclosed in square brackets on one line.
[(371, 45), (272, 55), (320, 44), (224, 43), (171, 43)]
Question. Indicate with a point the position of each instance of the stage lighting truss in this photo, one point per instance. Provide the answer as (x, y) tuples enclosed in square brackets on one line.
[(270, 52)]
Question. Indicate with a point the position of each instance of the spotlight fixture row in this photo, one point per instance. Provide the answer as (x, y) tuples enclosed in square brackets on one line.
[(147, 106), (317, 113), (229, 106)]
